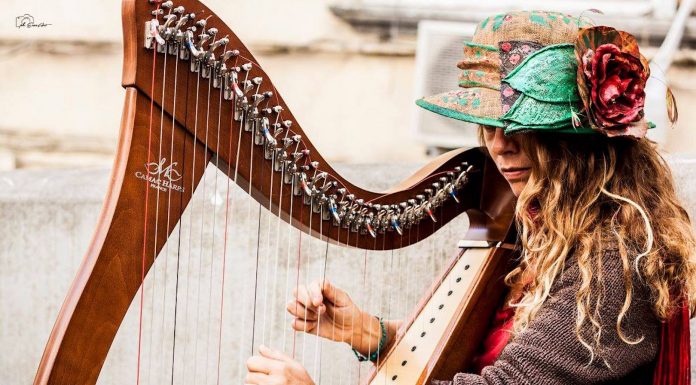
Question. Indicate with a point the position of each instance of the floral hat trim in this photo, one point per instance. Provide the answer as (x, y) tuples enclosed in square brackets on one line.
[(595, 85)]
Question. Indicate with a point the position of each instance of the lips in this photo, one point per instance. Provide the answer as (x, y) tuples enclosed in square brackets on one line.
[(513, 173)]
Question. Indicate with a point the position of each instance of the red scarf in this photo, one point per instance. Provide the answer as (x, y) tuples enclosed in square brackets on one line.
[(674, 359)]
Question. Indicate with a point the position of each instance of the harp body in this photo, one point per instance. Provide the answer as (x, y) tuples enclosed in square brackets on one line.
[(186, 112)]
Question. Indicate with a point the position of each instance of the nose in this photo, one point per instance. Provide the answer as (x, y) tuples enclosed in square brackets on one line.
[(503, 144)]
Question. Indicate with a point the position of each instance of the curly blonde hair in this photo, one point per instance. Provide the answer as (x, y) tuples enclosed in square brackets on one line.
[(589, 191)]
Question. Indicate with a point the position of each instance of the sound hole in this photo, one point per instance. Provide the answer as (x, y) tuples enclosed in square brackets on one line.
[(432, 320), (441, 306), (449, 293), (423, 334), (459, 279), (403, 363), (413, 349), (394, 378)]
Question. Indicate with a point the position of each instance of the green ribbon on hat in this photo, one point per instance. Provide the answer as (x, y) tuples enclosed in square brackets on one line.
[(547, 81)]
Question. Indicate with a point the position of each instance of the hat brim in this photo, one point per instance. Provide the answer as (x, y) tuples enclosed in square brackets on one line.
[(474, 105)]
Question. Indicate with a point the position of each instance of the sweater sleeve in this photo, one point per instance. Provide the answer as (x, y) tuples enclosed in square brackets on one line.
[(549, 352)]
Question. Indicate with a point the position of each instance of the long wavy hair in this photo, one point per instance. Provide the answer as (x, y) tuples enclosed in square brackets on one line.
[(587, 191)]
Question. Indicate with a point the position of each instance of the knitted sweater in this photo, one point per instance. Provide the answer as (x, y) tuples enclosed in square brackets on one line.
[(548, 352)]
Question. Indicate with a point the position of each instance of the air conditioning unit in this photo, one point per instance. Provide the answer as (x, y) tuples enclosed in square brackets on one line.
[(438, 51)]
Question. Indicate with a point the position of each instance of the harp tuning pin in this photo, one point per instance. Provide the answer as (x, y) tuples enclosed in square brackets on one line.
[(327, 186), (201, 23), (333, 211), (403, 205), (315, 164), (167, 4), (453, 193), (246, 67), (287, 142), (350, 197), (287, 123), (395, 224), (218, 43), (267, 111), (258, 98), (257, 80), (266, 133), (457, 169), (377, 206), (305, 186), (429, 210), (277, 109), (435, 185), (420, 197), (157, 12), (429, 192), (178, 10), (443, 180), (412, 202), (213, 31), (370, 229), (268, 94)]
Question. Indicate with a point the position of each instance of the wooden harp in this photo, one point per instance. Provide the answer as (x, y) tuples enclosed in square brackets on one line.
[(195, 96)]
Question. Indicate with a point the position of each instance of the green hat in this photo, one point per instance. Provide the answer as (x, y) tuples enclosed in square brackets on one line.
[(521, 71)]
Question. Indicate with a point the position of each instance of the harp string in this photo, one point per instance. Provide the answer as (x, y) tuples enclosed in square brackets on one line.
[(224, 249), (169, 202), (288, 259), (323, 279), (268, 240), (144, 251), (181, 212), (200, 246), (277, 238), (306, 274), (190, 227), (215, 202)]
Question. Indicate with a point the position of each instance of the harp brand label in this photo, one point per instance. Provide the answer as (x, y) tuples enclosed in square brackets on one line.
[(161, 176)]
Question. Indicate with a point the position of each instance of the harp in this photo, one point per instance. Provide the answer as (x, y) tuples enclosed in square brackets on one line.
[(196, 98)]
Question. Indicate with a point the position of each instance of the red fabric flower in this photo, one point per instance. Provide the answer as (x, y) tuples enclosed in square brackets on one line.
[(506, 46), (611, 81)]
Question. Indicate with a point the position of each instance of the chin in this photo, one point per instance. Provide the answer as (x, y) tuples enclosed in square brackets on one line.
[(517, 187)]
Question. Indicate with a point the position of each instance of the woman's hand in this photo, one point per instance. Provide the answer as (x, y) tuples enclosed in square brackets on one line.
[(272, 367), (327, 311), (323, 308)]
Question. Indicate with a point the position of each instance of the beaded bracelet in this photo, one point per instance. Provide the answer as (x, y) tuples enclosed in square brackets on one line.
[(382, 340)]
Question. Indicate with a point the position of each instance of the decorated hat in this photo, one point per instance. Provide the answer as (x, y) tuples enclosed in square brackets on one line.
[(546, 71)]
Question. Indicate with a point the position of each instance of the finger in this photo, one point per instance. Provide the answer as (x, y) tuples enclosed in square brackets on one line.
[(302, 296), (300, 311), (302, 326), (259, 364), (315, 293), (335, 295), (274, 354), (257, 378)]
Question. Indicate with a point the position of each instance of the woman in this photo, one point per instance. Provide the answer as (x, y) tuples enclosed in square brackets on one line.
[(606, 281)]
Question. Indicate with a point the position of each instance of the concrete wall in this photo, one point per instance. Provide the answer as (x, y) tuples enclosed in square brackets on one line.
[(48, 219), (62, 100)]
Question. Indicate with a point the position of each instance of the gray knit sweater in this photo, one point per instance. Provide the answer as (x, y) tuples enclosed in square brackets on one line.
[(549, 353)]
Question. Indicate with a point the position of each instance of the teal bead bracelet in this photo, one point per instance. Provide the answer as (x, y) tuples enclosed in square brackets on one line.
[(382, 340)]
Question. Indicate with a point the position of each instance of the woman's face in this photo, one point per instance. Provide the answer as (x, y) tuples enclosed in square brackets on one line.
[(508, 156)]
